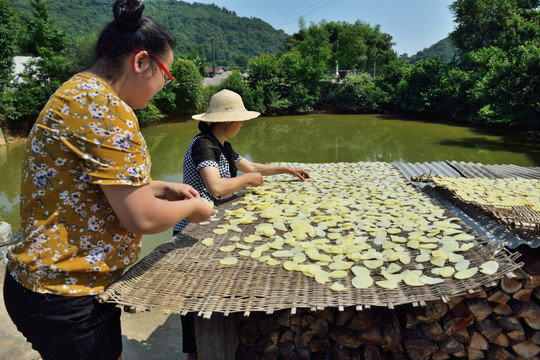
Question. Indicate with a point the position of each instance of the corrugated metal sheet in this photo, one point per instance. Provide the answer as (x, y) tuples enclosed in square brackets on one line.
[(480, 222), (419, 169), (495, 171)]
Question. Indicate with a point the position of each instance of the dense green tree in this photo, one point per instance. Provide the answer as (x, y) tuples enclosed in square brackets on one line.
[(8, 31), (506, 85), (501, 23), (359, 94), (44, 74), (419, 88), (39, 33)]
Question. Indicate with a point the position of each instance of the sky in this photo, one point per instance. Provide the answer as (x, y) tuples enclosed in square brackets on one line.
[(413, 24)]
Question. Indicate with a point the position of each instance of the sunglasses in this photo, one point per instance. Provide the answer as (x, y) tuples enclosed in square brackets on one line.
[(161, 66)]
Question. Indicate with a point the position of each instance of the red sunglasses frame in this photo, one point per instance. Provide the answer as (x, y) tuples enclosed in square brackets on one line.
[(161, 66)]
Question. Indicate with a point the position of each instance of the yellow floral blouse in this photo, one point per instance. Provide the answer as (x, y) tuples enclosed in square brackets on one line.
[(71, 243)]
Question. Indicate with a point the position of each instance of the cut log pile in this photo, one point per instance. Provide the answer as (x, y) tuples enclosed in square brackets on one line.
[(501, 322)]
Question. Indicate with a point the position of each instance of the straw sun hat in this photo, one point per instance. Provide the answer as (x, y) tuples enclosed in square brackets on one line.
[(224, 106)]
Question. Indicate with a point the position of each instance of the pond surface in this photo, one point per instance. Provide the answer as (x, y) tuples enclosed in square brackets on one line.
[(309, 139)]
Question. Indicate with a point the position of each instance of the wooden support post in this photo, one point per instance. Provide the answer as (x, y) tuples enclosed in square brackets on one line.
[(217, 337)]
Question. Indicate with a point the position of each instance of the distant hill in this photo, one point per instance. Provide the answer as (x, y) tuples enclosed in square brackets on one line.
[(444, 49), (237, 38)]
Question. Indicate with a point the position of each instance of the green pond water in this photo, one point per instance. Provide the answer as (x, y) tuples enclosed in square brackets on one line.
[(309, 139)]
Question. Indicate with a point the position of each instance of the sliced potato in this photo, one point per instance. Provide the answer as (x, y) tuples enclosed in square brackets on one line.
[(467, 273), (489, 267), (208, 242), (227, 248), (228, 261), (362, 282), (387, 284), (430, 280), (337, 287), (373, 264), (290, 265), (360, 270)]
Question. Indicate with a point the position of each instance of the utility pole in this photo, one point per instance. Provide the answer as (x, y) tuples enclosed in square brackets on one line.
[(213, 39)]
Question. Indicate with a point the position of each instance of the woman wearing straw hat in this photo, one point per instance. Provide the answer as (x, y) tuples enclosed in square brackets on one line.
[(210, 166)]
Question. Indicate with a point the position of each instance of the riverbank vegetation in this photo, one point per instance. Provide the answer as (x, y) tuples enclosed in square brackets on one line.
[(330, 66)]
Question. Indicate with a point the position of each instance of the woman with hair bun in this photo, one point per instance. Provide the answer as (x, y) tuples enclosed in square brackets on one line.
[(87, 195)]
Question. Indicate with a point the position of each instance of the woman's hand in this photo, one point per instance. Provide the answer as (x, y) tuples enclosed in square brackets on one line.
[(299, 173), (253, 178), (175, 191), (201, 211)]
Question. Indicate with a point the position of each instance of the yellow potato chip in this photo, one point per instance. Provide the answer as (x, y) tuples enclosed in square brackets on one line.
[(228, 261), (208, 242)]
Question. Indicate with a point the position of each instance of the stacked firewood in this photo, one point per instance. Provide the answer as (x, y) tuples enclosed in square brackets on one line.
[(501, 322)]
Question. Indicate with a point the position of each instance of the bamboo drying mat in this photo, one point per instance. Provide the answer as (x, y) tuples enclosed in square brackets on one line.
[(521, 218), (182, 275)]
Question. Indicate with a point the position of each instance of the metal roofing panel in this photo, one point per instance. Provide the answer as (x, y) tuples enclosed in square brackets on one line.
[(495, 171)]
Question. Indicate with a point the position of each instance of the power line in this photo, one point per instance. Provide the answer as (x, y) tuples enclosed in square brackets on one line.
[(310, 10), (288, 12), (301, 11)]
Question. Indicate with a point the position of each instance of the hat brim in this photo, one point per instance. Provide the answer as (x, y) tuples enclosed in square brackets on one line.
[(226, 116)]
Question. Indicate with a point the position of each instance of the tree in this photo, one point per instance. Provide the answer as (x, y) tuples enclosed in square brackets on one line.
[(358, 93), (501, 23), (39, 33), (8, 31), (44, 74)]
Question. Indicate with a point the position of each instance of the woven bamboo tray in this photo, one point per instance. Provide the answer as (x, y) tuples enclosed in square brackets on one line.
[(520, 218), (182, 275)]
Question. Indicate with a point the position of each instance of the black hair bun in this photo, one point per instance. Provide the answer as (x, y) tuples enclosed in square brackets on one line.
[(127, 13)]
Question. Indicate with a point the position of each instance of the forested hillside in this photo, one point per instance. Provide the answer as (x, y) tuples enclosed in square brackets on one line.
[(444, 49), (237, 38)]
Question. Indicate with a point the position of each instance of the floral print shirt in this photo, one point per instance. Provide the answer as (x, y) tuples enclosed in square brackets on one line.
[(71, 243)]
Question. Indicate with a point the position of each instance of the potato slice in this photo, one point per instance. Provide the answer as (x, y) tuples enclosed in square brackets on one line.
[(463, 237), (338, 274), (337, 287), (228, 261), (273, 262), (393, 268), (465, 274), (245, 253), (489, 267), (362, 282), (299, 257), (208, 242), (462, 265), (243, 246), (227, 248), (466, 247), (290, 265), (430, 280), (322, 277), (283, 254), (220, 231), (340, 265), (444, 272), (360, 271), (412, 279), (387, 284), (422, 258), (438, 261)]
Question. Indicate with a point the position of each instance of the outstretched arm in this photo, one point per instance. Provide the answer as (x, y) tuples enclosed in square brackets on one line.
[(141, 211), (218, 186), (247, 166)]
